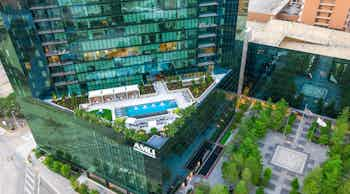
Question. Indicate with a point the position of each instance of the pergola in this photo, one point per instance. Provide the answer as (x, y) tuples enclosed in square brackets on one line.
[(114, 94)]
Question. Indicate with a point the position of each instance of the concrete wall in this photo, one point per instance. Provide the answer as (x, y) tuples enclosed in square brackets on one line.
[(309, 12), (339, 15), (259, 17)]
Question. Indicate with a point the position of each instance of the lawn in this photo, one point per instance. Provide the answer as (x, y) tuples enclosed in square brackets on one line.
[(106, 114)]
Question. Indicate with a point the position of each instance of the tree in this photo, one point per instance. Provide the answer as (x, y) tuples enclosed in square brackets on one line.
[(323, 139), (154, 130), (219, 189), (267, 176), (344, 188), (341, 126), (255, 167), (241, 188), (202, 188), (119, 124), (279, 114), (65, 170), (312, 182), (331, 175), (230, 172), (295, 186), (260, 190), (247, 175)]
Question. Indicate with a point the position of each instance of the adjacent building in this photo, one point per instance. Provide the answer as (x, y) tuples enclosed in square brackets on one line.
[(111, 51), (333, 14)]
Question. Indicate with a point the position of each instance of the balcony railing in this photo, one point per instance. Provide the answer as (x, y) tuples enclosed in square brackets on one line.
[(54, 42), (43, 7), (206, 63), (204, 4), (204, 15), (47, 19), (60, 64), (206, 45), (60, 74), (206, 54), (41, 32), (64, 83), (52, 53), (209, 35)]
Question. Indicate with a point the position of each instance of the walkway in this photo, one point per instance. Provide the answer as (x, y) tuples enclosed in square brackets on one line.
[(57, 183)]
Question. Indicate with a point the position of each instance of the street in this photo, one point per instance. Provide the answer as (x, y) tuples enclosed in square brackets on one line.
[(13, 148)]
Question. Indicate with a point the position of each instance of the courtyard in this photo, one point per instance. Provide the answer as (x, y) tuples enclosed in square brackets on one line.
[(281, 147), (291, 156)]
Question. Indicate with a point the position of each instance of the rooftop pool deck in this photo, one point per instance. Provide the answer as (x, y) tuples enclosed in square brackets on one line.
[(152, 108)]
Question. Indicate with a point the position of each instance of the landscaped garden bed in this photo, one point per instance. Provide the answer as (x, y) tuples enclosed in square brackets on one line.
[(66, 171), (147, 89), (104, 113), (174, 85), (72, 102), (197, 87)]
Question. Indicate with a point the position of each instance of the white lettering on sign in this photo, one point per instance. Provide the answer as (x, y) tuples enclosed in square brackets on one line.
[(145, 150)]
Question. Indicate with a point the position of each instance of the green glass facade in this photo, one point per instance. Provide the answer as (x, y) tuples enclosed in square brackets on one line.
[(320, 82), (82, 45)]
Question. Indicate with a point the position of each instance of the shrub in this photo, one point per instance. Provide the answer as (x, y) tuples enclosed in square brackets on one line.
[(260, 190), (267, 176), (65, 170), (56, 166), (38, 153), (83, 189), (49, 161)]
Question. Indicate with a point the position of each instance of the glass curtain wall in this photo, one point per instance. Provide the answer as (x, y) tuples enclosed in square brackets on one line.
[(319, 82)]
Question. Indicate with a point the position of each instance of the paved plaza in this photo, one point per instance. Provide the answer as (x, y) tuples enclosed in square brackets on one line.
[(289, 159), (291, 156)]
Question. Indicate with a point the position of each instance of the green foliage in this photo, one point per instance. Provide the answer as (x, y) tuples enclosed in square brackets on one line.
[(260, 190), (230, 172), (254, 164), (65, 170), (312, 182), (266, 176), (241, 188), (344, 188), (154, 130), (341, 127), (9, 105), (49, 161), (56, 166), (295, 184), (312, 130), (219, 189), (202, 188), (247, 175), (331, 175), (279, 114), (83, 189)]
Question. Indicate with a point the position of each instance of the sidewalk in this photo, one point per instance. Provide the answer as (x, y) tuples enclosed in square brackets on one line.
[(58, 183)]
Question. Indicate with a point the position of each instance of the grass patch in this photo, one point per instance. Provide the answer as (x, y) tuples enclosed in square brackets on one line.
[(225, 137), (106, 114)]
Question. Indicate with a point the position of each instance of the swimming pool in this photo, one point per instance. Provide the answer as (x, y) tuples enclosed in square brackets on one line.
[(149, 109)]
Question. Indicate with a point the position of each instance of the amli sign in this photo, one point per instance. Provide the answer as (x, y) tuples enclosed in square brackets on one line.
[(145, 150)]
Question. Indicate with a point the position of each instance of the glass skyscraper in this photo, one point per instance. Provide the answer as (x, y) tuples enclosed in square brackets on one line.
[(67, 47), (74, 46)]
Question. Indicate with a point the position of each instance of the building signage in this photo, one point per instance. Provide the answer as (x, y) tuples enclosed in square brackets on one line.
[(145, 150)]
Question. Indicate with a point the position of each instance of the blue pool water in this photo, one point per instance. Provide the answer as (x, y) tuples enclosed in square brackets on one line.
[(154, 108)]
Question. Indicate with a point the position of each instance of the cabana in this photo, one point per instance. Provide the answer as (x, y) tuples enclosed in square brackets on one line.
[(113, 94)]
